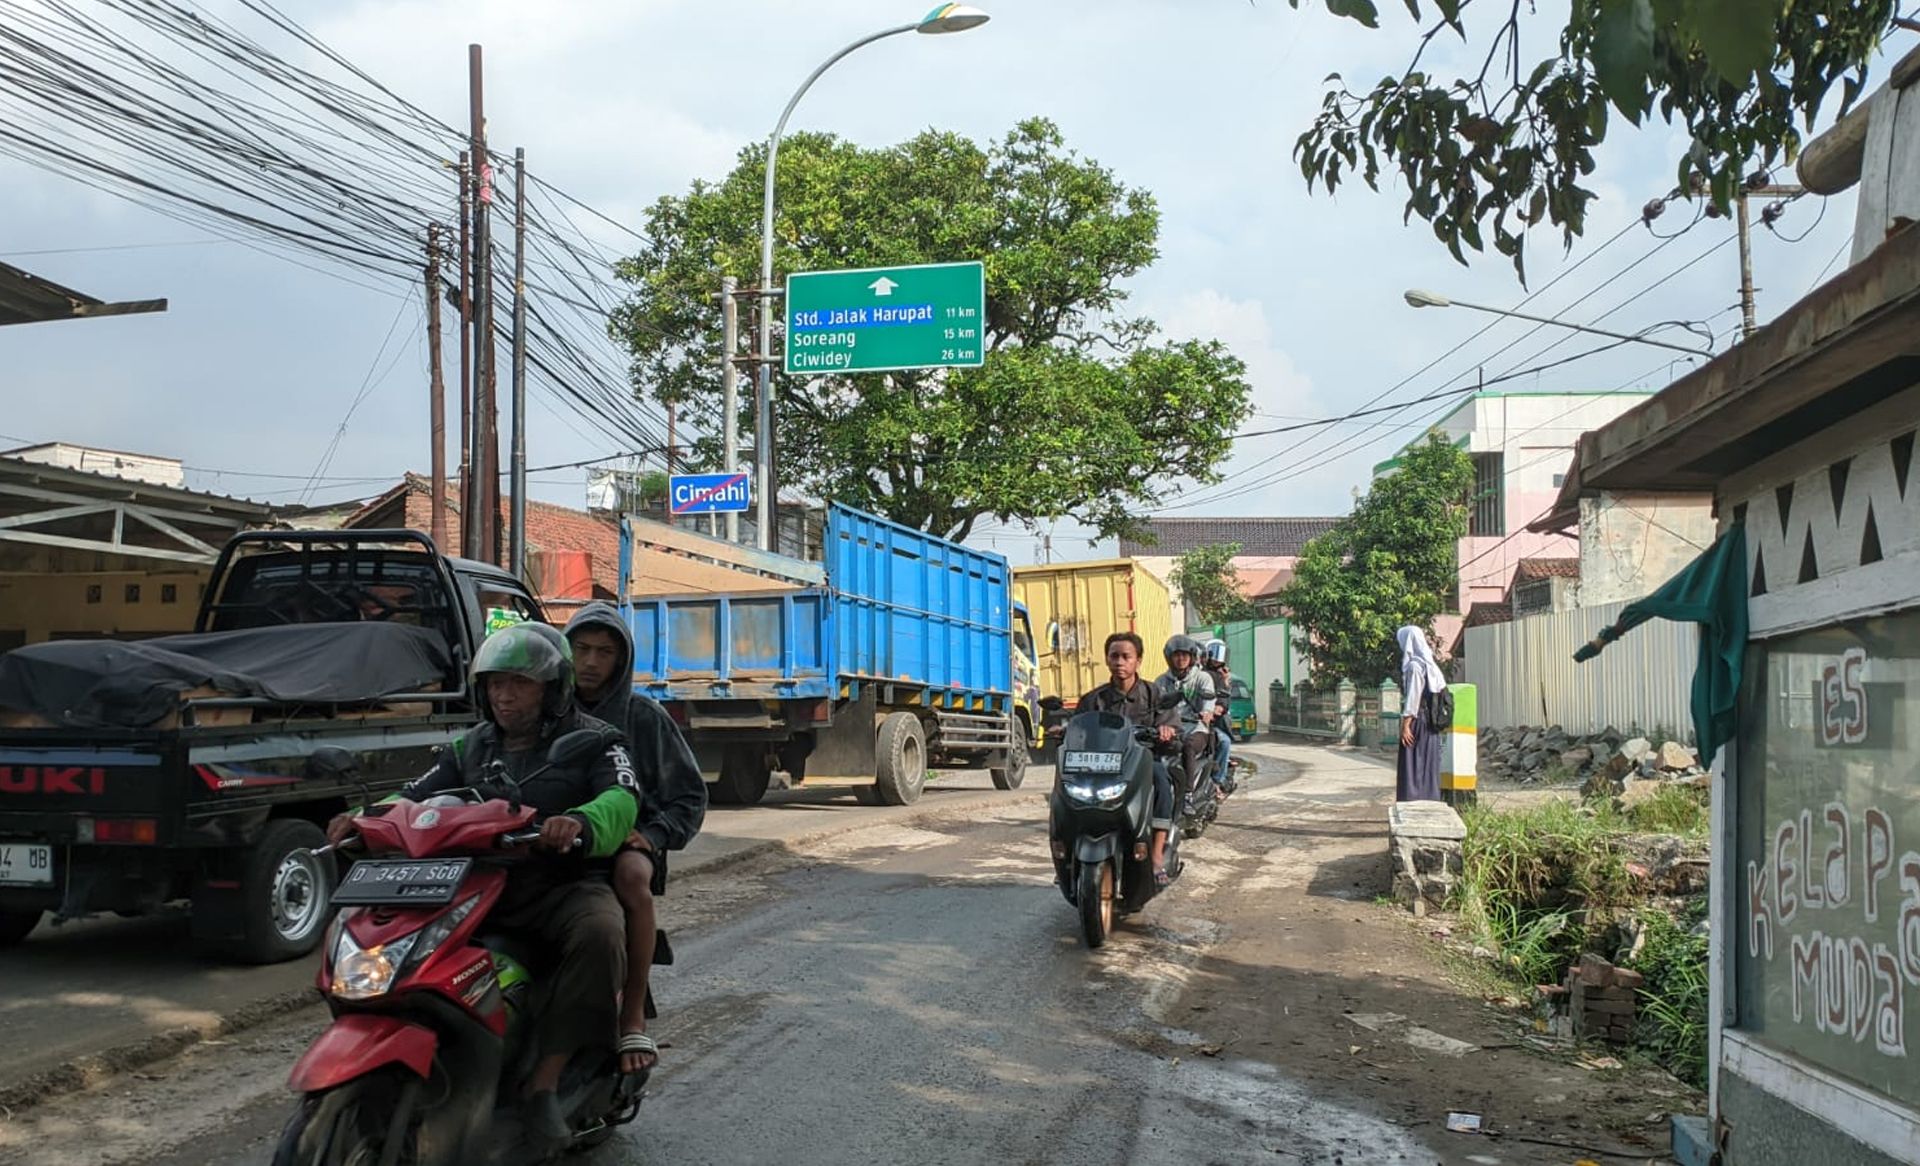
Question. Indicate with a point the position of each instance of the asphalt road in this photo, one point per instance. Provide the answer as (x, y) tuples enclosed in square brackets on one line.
[(103, 993), (917, 992)]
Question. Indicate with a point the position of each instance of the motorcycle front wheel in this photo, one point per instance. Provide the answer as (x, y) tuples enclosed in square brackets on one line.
[(369, 1121), (1096, 893)]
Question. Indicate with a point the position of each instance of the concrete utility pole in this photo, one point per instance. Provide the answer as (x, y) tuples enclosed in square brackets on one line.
[(518, 539), (486, 468), (437, 390), (469, 440), (730, 388)]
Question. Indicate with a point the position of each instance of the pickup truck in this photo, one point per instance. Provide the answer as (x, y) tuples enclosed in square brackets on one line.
[(197, 767), (897, 654)]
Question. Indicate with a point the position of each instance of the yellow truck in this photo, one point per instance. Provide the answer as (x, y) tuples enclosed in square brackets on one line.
[(1075, 607)]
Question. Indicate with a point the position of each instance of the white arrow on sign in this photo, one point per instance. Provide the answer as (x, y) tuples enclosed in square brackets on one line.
[(883, 286)]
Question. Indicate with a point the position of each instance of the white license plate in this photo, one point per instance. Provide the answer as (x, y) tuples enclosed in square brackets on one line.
[(1091, 762), (26, 864)]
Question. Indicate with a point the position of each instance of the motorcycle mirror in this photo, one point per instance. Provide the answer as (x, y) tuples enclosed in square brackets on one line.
[(330, 763), (573, 748), (1052, 704)]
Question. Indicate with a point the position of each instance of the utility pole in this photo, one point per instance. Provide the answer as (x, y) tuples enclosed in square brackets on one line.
[(518, 539), (468, 442), (437, 390), (486, 468), (1744, 223), (730, 389)]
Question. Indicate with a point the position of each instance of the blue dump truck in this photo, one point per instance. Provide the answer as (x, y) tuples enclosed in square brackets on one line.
[(896, 654)]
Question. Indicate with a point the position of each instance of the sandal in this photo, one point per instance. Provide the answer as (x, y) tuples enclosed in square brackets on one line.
[(639, 1042), (1161, 878)]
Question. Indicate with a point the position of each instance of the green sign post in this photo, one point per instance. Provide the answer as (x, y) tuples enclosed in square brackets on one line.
[(883, 319)]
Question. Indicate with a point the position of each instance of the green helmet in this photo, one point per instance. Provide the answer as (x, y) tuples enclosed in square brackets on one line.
[(536, 651)]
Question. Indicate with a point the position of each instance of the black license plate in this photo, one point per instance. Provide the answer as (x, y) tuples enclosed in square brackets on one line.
[(395, 880)]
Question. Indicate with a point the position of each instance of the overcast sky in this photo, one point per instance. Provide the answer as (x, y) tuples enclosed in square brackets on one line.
[(248, 375)]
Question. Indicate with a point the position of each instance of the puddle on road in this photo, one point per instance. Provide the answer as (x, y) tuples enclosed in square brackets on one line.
[(1245, 1111)]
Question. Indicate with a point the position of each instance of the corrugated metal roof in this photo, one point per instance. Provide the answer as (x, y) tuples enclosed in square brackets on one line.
[(1256, 536), (25, 298)]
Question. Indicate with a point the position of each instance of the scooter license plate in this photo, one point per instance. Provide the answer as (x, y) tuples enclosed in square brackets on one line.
[(393, 880)]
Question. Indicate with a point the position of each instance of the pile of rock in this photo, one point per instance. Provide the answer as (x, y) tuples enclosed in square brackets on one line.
[(1607, 762), (1597, 1002)]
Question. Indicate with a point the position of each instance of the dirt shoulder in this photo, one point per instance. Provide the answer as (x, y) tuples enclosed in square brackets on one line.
[(1313, 977)]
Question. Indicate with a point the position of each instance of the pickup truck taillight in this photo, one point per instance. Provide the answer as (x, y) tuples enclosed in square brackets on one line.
[(137, 831)]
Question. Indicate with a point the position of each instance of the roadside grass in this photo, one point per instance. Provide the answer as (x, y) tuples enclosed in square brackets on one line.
[(1541, 884), (1676, 808), (1672, 1022)]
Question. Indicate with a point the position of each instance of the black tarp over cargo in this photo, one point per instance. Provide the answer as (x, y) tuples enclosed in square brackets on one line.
[(109, 684)]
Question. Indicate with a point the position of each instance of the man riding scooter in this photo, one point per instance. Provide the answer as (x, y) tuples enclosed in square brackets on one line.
[(1133, 698), (673, 803), (1185, 679), (1215, 663), (523, 675)]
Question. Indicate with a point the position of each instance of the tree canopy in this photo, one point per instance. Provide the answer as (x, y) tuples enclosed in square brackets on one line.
[(1509, 147), (1392, 562), (1078, 410), (1206, 577)]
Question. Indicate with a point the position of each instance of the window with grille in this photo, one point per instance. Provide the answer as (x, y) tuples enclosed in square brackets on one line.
[(1489, 496)]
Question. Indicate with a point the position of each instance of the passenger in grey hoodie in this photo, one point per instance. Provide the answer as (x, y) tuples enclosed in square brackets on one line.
[(673, 802)]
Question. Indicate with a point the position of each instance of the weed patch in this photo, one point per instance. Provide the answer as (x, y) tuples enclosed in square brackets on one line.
[(1675, 808), (1672, 1024), (1534, 882)]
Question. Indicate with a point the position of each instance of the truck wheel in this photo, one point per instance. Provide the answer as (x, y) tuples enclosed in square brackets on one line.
[(16, 926), (1010, 775), (744, 775), (900, 749), (285, 893)]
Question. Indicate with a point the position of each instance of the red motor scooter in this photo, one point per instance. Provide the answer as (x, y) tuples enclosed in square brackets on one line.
[(429, 1049)]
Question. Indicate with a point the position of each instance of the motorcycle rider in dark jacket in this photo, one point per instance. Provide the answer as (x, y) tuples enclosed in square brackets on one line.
[(523, 678), (1134, 698), (673, 803)]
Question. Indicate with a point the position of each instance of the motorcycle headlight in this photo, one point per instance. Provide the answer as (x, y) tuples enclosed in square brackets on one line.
[(1095, 792), (363, 973)]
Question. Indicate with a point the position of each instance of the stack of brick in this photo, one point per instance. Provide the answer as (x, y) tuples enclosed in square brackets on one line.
[(1601, 1000)]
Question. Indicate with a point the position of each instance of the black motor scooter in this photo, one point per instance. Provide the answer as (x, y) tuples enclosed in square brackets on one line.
[(1199, 804), (1100, 820)]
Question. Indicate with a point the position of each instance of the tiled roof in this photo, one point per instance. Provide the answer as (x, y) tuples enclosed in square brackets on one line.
[(549, 527), (1529, 569), (1486, 613), (1256, 536)]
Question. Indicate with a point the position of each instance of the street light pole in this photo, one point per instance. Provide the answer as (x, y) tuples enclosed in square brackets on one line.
[(945, 18), (1426, 299)]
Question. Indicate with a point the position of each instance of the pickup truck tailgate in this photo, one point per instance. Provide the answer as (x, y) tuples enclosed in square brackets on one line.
[(44, 786)]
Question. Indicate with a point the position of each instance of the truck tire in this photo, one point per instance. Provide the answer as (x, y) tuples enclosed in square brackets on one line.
[(1014, 771), (285, 893), (744, 775), (15, 926), (900, 759)]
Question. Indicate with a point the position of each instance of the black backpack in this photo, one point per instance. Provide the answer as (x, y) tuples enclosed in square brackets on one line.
[(1439, 708)]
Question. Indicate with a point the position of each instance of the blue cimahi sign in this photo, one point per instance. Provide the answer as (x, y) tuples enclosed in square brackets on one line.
[(710, 493)]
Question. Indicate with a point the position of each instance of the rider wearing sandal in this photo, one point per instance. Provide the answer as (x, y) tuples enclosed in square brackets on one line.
[(673, 803)]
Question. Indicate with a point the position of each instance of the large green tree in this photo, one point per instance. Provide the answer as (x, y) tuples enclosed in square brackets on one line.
[(1077, 411), (1509, 146), (1392, 562)]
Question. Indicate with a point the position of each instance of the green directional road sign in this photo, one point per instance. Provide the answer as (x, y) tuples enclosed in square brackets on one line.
[(881, 319)]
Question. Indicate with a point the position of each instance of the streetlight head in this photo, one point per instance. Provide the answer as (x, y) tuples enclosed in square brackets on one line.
[(1425, 299), (953, 18)]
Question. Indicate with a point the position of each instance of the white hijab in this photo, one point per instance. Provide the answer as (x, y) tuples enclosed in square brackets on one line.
[(1416, 656)]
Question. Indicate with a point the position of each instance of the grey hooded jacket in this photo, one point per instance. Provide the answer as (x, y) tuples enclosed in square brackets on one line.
[(673, 794)]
